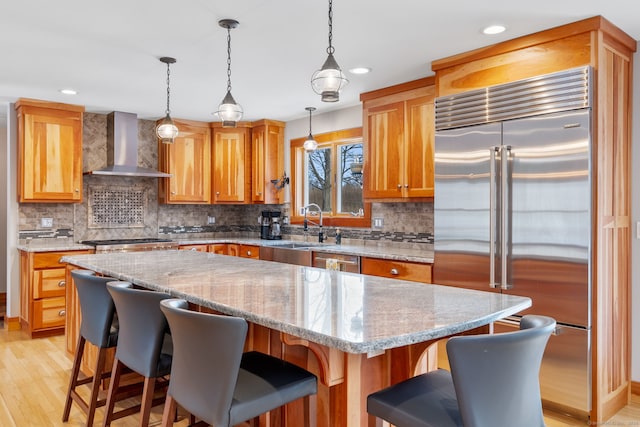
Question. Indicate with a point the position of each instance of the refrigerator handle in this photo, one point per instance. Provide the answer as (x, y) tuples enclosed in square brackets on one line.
[(505, 193), (492, 216)]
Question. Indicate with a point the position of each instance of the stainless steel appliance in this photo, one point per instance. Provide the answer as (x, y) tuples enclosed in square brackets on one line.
[(512, 211), (348, 263), (131, 245)]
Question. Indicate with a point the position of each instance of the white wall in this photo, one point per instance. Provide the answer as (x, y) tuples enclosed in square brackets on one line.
[(4, 155), (10, 197), (635, 216), (346, 118)]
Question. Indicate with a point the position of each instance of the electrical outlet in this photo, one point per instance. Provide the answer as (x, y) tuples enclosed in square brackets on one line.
[(378, 222), (211, 220), (46, 222)]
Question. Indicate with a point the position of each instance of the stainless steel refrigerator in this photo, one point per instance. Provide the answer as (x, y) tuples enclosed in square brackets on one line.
[(512, 211)]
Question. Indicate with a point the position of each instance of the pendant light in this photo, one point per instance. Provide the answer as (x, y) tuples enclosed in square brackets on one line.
[(229, 111), (310, 144), (167, 131), (329, 80)]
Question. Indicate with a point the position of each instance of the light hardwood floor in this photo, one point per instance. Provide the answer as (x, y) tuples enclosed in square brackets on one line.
[(34, 375)]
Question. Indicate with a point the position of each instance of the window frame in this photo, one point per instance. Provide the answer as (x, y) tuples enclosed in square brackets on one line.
[(333, 139)]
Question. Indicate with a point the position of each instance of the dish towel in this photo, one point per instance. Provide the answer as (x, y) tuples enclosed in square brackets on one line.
[(332, 264)]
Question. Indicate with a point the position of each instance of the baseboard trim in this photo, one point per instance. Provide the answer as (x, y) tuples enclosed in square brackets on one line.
[(13, 323), (3, 304), (635, 388)]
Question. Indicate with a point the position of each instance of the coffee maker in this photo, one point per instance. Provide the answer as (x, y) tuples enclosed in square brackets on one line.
[(270, 225)]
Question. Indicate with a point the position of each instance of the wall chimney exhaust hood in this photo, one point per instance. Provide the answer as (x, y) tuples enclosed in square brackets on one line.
[(122, 148)]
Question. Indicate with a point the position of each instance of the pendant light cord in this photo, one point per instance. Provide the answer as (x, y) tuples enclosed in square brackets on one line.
[(310, 111), (330, 49), (228, 59), (168, 89)]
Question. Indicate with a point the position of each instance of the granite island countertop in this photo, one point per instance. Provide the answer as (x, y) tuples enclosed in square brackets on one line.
[(351, 312)]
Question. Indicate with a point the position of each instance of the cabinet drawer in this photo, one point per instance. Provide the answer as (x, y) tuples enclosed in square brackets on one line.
[(52, 259), (48, 313), (199, 248), (249, 251), (404, 270), (48, 283)]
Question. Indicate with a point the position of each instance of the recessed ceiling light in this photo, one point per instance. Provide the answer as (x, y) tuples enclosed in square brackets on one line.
[(360, 70), (494, 29), (69, 91)]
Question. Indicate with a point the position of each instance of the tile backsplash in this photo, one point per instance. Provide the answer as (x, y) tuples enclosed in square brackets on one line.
[(97, 218)]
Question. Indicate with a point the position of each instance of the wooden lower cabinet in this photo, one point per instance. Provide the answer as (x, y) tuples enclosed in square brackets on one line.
[(219, 248), (42, 292), (403, 270), (199, 248), (244, 251)]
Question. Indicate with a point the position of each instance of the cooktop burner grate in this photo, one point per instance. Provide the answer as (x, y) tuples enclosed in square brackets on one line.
[(123, 241)]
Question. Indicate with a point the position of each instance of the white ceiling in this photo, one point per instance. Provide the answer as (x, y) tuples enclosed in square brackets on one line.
[(108, 50)]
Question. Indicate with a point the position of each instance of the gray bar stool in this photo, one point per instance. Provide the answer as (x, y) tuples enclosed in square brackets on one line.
[(144, 346), (493, 383), (212, 378), (99, 326)]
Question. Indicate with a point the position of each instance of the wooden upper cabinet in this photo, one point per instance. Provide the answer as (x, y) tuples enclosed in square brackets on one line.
[(188, 160), (399, 142), (49, 151), (231, 164), (267, 161)]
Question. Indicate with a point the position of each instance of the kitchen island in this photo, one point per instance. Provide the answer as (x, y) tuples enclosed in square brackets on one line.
[(358, 333)]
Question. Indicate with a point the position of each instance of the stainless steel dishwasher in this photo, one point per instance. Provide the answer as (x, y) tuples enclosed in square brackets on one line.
[(349, 263)]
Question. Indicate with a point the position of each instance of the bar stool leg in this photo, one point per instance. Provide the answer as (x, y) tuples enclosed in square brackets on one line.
[(95, 386), (77, 358), (170, 408), (147, 400), (114, 383)]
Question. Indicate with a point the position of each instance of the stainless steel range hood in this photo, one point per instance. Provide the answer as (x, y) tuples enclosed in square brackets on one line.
[(122, 148)]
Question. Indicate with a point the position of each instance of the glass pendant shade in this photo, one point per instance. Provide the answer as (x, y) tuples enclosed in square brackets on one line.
[(310, 144), (329, 80), (167, 131), (229, 111)]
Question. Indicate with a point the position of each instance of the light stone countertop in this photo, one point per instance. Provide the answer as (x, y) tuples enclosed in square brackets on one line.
[(389, 251), (51, 245), (351, 312)]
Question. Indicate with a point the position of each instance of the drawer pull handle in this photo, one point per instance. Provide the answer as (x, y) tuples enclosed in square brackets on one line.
[(249, 253), (394, 272), (61, 313), (61, 284)]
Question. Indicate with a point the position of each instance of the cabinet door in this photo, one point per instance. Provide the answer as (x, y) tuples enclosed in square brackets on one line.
[(49, 154), (384, 151), (219, 248), (267, 158), (231, 165), (188, 160), (419, 148)]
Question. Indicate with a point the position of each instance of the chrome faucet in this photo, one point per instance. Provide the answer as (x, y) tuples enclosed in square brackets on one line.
[(307, 221)]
